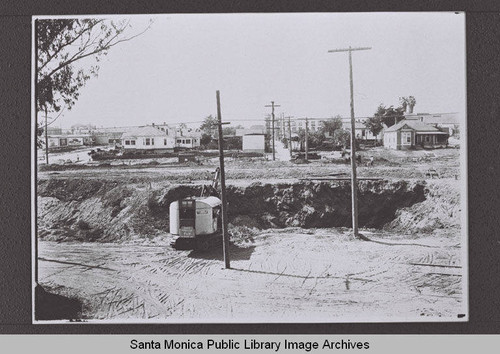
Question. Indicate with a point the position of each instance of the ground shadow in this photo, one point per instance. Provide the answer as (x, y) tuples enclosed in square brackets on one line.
[(49, 306), (346, 278), (236, 253)]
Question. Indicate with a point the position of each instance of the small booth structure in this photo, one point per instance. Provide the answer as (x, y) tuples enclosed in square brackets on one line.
[(194, 219)]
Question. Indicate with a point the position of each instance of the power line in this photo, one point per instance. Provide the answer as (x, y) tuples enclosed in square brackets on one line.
[(238, 119)]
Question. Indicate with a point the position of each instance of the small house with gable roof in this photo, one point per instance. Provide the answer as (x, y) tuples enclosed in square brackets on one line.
[(412, 133), (147, 138)]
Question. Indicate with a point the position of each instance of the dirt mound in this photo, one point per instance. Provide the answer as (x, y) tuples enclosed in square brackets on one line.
[(440, 210), (323, 204), (94, 210)]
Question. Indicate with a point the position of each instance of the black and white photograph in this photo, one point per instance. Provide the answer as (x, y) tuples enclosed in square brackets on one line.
[(249, 168)]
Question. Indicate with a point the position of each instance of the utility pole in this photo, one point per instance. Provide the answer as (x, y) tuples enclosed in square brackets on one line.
[(46, 138), (290, 137), (307, 138), (354, 183), (272, 127), (225, 236)]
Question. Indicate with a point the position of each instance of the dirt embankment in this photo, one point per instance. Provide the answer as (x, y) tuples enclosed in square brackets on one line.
[(103, 210)]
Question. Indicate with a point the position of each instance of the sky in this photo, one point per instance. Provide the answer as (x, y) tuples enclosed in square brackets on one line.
[(171, 72)]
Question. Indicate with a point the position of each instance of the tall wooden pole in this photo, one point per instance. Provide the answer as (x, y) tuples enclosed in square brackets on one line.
[(46, 138), (354, 183), (272, 127), (225, 236), (307, 138), (290, 137)]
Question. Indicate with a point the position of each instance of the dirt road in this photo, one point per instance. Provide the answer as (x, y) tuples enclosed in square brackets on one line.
[(294, 275)]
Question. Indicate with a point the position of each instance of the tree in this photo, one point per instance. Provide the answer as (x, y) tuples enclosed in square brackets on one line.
[(208, 130), (407, 102), (342, 138), (61, 45), (374, 125), (229, 131), (389, 115), (209, 126), (328, 127)]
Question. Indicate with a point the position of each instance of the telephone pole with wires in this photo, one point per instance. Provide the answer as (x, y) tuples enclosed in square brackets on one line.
[(354, 183), (272, 105), (225, 235), (290, 136)]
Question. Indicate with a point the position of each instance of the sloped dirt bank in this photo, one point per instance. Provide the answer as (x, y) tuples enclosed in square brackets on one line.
[(95, 210)]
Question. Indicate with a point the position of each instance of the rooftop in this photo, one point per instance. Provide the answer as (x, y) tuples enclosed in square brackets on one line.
[(147, 131), (413, 124)]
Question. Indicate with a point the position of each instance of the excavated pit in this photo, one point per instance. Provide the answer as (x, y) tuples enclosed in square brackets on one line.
[(95, 210)]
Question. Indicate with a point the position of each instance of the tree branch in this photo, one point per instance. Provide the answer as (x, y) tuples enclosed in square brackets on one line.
[(64, 45)]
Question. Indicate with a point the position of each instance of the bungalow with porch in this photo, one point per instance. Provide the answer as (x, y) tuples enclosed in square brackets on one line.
[(147, 138), (411, 133)]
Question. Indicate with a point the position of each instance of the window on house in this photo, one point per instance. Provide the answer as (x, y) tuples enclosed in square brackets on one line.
[(132, 142), (363, 133), (148, 141), (178, 141), (152, 141), (162, 129), (164, 141), (406, 138), (183, 141), (127, 142), (188, 141), (427, 138)]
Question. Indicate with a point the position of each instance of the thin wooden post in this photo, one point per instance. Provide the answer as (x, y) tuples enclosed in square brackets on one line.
[(46, 138), (225, 236), (272, 105), (307, 139), (290, 137)]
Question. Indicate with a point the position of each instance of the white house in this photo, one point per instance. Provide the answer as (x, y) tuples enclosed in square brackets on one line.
[(189, 142), (411, 133), (147, 138), (187, 138)]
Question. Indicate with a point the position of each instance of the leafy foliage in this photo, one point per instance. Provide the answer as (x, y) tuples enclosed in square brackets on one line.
[(314, 138), (406, 102), (374, 125), (389, 115), (61, 46), (330, 126), (209, 126), (342, 137)]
